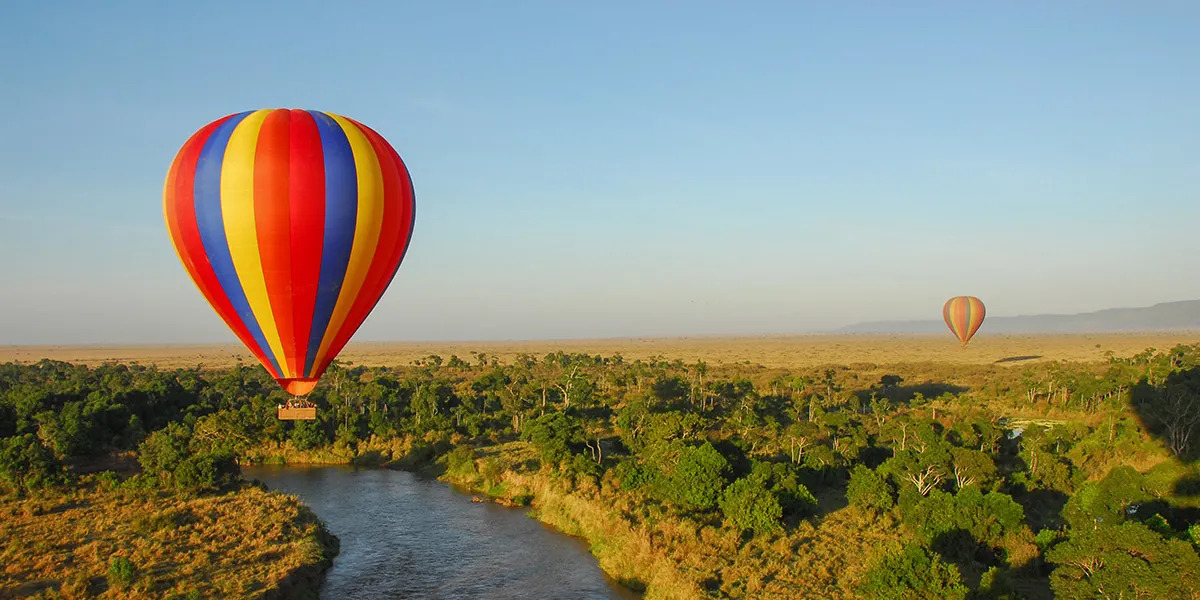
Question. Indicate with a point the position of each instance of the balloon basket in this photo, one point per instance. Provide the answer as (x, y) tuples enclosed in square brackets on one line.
[(298, 414)]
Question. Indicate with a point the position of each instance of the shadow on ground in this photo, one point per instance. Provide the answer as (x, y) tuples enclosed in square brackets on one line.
[(1009, 359)]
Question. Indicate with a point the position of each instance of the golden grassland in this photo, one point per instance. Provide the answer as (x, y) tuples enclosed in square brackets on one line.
[(797, 351), (248, 543)]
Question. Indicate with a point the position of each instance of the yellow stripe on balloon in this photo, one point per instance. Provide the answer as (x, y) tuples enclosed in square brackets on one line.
[(976, 314), (367, 226), (241, 232), (960, 326)]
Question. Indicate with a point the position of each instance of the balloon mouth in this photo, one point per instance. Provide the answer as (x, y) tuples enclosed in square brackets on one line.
[(298, 387)]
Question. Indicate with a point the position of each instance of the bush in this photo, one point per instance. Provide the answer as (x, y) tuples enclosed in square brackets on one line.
[(582, 466), (749, 505), (491, 470), (696, 480), (868, 490), (783, 480), (631, 475), (162, 451), (1123, 561), (307, 435), (1105, 502), (207, 472), (26, 464), (914, 573), (461, 461), (987, 518), (121, 572), (552, 434)]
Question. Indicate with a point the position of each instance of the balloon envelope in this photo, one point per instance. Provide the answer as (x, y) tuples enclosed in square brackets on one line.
[(963, 315), (292, 224)]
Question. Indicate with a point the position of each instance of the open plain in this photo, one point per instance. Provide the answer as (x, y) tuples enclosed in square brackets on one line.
[(796, 351)]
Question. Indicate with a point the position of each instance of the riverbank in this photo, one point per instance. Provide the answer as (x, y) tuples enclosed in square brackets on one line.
[(628, 555), (99, 539), (663, 557), (679, 558)]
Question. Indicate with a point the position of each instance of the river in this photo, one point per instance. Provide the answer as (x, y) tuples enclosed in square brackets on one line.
[(405, 536)]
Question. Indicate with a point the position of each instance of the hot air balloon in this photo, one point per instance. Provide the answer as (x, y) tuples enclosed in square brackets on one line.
[(292, 224), (963, 315)]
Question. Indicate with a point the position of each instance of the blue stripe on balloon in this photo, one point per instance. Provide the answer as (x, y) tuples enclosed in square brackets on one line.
[(209, 220), (341, 214)]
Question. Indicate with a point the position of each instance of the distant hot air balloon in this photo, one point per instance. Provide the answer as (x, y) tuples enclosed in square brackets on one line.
[(292, 223), (963, 315)]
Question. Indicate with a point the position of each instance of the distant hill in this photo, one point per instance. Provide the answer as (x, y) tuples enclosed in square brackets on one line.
[(1165, 316)]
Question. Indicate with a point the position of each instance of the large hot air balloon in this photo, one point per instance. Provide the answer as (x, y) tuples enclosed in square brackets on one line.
[(963, 315), (292, 223)]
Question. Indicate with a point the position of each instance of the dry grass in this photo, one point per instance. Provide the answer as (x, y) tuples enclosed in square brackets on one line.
[(245, 544), (770, 351)]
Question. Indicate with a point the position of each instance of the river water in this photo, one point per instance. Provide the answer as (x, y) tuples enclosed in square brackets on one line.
[(404, 536)]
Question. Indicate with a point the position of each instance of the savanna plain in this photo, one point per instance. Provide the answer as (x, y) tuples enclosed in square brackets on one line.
[(856, 466)]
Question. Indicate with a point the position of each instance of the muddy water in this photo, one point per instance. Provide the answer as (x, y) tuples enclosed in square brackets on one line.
[(403, 536)]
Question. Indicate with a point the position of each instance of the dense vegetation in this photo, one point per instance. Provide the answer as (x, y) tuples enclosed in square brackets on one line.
[(80, 519), (905, 481)]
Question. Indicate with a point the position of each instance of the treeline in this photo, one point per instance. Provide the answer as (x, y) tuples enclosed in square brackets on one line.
[(991, 503)]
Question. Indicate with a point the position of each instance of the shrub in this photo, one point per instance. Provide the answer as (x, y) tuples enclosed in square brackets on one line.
[(461, 461), (696, 480), (307, 435), (552, 434), (207, 472), (121, 572), (868, 490), (914, 573), (162, 451), (26, 464), (631, 475), (1107, 501), (783, 480), (749, 505), (1123, 561)]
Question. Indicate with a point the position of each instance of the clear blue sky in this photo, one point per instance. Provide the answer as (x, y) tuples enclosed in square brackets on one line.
[(628, 168)]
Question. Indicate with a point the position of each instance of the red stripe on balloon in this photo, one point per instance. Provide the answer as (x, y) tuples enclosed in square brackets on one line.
[(306, 182), (180, 212), (977, 315), (272, 222), (956, 315), (394, 235)]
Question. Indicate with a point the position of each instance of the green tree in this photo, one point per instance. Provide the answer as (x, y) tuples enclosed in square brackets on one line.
[(1123, 561), (868, 490), (307, 435), (914, 573), (209, 471), (985, 518), (1107, 501), (670, 389), (26, 464), (783, 480), (552, 434), (162, 451), (972, 467), (749, 505), (695, 480), (923, 466)]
